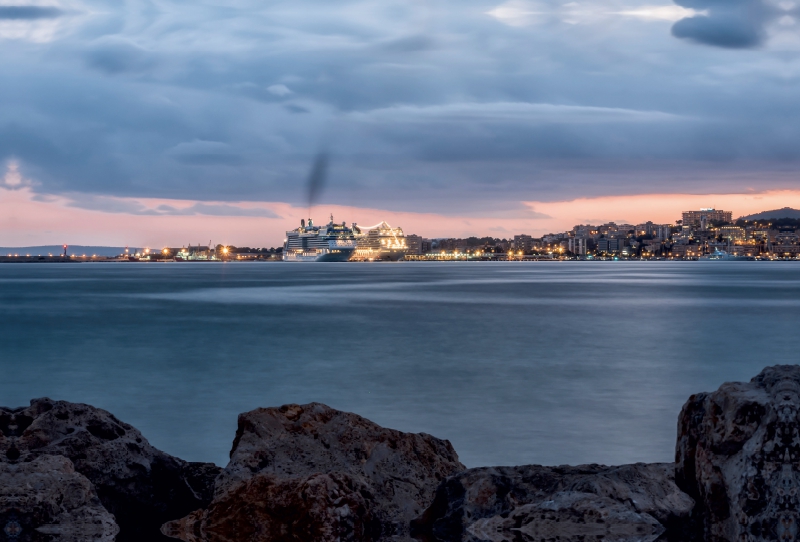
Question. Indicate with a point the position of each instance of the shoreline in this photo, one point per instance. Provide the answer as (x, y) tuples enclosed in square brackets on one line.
[(99, 259)]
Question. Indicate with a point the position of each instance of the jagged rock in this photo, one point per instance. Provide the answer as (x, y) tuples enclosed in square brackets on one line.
[(738, 455), (569, 516), (343, 476), (47, 497), (505, 498), (142, 486)]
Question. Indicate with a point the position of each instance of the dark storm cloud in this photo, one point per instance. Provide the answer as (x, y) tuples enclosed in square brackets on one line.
[(29, 12), (422, 106), (734, 24)]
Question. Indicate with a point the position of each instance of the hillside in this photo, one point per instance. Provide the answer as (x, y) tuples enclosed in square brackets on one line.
[(786, 212)]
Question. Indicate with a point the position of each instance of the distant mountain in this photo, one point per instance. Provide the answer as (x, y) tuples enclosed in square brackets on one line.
[(78, 250), (786, 212)]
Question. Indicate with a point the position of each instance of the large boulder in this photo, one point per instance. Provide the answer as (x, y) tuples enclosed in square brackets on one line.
[(636, 502), (140, 485), (316, 508), (46, 499), (309, 472), (738, 456)]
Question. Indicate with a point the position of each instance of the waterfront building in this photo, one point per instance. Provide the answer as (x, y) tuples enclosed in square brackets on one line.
[(787, 243), (625, 229), (702, 218), (750, 249), (608, 227), (656, 231), (414, 244), (577, 245), (451, 245), (417, 245), (663, 232), (760, 235), (551, 238), (732, 233), (523, 242), (585, 230), (687, 251), (652, 246), (648, 228), (608, 245)]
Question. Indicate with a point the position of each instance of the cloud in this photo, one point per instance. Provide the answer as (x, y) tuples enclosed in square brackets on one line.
[(145, 208), (200, 152), (536, 214), (423, 106), (524, 12), (29, 13), (222, 209), (661, 13), (515, 112), (113, 55), (279, 90), (13, 179), (735, 24), (410, 44)]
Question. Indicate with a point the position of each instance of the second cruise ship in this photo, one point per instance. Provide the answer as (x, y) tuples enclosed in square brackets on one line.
[(379, 242)]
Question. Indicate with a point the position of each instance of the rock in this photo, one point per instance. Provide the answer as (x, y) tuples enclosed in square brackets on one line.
[(321, 508), (47, 497), (569, 516), (140, 485), (538, 498), (342, 477), (738, 456)]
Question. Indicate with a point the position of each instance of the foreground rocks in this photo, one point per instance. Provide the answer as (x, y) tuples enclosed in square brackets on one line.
[(72, 472), (309, 472), (738, 456), (631, 502), (138, 485)]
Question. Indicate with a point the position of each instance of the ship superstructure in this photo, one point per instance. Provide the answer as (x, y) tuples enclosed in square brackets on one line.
[(310, 243), (380, 242)]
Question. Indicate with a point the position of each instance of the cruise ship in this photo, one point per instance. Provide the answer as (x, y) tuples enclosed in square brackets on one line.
[(379, 242), (310, 243)]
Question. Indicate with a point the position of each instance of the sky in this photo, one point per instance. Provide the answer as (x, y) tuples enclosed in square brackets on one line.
[(163, 123)]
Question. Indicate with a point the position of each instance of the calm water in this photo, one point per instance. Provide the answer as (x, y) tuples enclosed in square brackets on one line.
[(513, 362)]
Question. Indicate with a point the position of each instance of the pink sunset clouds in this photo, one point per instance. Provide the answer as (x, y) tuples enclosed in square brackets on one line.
[(29, 219)]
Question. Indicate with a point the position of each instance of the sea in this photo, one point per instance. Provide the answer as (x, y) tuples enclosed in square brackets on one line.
[(513, 362)]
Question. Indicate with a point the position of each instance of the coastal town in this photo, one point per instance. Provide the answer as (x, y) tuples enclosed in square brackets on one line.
[(699, 234)]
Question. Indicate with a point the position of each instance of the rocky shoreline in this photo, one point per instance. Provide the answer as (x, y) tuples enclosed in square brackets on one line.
[(71, 472)]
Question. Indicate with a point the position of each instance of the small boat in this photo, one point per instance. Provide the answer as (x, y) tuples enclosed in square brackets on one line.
[(723, 255)]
